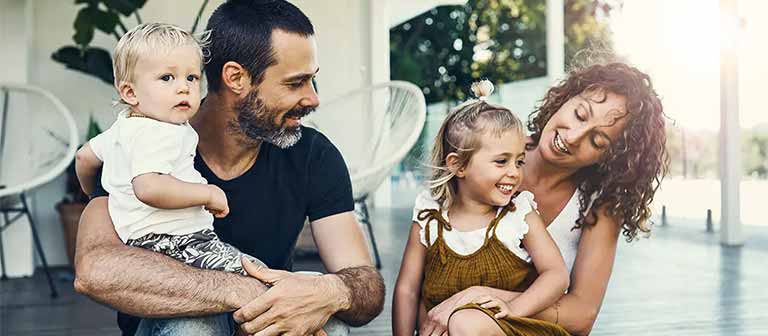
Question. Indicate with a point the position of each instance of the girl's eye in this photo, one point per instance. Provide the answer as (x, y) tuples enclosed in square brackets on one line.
[(166, 78), (192, 78)]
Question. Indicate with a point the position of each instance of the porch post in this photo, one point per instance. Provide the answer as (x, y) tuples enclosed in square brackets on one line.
[(730, 144)]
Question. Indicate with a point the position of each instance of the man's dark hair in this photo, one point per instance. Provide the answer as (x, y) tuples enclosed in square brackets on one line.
[(241, 31)]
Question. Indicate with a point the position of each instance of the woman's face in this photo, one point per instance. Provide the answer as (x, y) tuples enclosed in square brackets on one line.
[(583, 129)]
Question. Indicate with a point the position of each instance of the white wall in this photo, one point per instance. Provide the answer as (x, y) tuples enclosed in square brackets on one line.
[(36, 28)]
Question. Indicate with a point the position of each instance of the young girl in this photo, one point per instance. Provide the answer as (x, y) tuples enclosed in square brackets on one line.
[(472, 229)]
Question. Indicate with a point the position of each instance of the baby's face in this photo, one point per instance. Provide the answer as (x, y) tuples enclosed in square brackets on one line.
[(167, 86)]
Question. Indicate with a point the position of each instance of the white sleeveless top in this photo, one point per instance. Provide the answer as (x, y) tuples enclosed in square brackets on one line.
[(562, 232), (510, 230)]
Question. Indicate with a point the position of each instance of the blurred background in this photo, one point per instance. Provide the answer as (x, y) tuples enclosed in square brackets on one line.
[(700, 273)]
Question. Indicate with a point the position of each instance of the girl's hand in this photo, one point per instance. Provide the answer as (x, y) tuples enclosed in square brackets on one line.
[(493, 302), (437, 317)]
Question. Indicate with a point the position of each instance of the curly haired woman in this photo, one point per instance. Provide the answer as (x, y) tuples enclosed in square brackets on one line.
[(594, 160)]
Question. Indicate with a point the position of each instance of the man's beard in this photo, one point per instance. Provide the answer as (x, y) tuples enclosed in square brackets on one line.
[(256, 121)]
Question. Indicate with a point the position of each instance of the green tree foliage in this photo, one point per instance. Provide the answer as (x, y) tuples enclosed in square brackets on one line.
[(446, 49)]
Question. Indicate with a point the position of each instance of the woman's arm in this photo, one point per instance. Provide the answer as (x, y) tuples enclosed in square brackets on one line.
[(577, 310), (406, 305), (553, 275), (145, 283)]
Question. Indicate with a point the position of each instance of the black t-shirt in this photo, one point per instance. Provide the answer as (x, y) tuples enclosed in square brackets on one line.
[(269, 203)]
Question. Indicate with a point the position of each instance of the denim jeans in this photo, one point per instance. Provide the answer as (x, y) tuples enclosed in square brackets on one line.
[(215, 325)]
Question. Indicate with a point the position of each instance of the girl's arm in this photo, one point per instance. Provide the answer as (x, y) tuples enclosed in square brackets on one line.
[(87, 165), (406, 305), (578, 309), (553, 275)]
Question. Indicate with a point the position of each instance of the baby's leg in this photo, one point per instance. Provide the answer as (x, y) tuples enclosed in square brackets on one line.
[(472, 322), (209, 252)]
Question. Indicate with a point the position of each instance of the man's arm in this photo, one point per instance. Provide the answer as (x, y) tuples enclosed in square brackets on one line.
[(344, 252), (353, 291), (149, 284)]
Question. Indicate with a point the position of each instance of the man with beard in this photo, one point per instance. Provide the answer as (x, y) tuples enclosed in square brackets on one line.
[(276, 174)]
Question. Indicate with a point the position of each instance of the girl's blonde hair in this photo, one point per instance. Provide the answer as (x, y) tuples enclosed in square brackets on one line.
[(151, 38), (460, 133)]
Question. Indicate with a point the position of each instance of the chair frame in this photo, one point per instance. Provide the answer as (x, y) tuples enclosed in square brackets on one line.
[(408, 143), (21, 190)]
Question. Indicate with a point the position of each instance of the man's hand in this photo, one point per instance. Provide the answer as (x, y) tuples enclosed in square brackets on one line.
[(296, 304), (217, 202)]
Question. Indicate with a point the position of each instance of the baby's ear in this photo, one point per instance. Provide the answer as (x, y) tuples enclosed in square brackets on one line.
[(127, 94), (453, 164)]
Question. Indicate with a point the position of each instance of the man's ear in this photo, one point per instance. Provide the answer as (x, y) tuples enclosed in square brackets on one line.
[(452, 163), (235, 77), (127, 94)]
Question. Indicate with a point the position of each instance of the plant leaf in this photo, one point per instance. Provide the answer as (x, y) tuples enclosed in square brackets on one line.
[(124, 7), (84, 27)]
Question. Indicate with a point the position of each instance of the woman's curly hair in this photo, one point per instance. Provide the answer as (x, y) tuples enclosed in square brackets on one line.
[(625, 179)]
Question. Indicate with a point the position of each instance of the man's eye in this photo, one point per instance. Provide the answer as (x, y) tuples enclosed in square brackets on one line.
[(296, 85), (166, 78)]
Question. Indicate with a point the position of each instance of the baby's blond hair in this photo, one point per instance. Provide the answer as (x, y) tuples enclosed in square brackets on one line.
[(151, 38)]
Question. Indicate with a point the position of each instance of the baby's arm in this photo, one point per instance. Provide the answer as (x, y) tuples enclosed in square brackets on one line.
[(553, 277), (87, 166), (164, 191), (406, 305)]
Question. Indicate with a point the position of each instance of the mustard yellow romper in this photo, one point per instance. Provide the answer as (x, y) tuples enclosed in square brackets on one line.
[(493, 265)]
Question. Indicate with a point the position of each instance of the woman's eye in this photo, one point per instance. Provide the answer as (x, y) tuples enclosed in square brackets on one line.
[(520, 163), (166, 78), (578, 116), (598, 143), (501, 162)]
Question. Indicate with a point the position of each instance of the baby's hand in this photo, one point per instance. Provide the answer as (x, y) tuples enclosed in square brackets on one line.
[(217, 202), (491, 302)]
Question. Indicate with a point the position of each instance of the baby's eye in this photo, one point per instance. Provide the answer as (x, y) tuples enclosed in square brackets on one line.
[(166, 78), (192, 78)]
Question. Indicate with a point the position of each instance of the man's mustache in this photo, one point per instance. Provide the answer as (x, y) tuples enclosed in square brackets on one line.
[(299, 112)]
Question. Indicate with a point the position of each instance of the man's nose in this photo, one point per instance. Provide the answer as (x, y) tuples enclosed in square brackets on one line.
[(310, 97)]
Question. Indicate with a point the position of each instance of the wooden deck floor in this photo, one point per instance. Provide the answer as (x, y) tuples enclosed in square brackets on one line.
[(680, 282)]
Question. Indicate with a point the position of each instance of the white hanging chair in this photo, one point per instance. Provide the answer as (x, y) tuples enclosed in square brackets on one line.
[(38, 140), (374, 128)]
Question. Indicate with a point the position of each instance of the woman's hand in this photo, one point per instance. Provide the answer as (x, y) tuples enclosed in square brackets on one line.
[(437, 317)]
